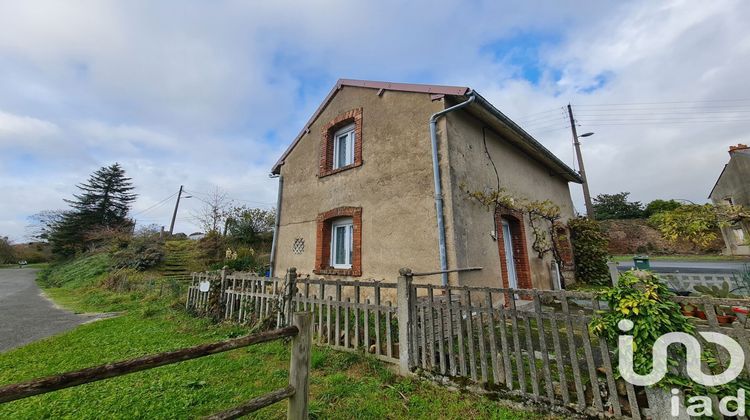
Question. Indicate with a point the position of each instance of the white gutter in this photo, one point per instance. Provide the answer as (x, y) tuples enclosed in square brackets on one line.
[(438, 187)]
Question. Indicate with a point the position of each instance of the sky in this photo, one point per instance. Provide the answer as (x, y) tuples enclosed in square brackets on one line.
[(209, 94)]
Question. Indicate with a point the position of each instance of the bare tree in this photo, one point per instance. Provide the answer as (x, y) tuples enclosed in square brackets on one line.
[(216, 208), (7, 254)]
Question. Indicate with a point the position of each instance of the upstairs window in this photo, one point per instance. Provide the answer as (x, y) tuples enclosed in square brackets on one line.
[(343, 147), (341, 243), (341, 143)]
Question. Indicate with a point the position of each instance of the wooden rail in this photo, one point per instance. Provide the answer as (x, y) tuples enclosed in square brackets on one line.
[(296, 391)]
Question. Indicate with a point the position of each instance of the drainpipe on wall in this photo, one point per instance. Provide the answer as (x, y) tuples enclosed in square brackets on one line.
[(438, 187), (276, 228)]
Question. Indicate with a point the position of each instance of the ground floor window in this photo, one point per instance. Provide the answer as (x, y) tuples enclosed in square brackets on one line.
[(338, 248), (341, 243)]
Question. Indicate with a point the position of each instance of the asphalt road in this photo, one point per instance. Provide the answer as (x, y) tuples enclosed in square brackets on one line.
[(26, 315), (662, 266)]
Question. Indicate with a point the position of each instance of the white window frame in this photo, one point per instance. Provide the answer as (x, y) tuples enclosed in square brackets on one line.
[(348, 224), (348, 151)]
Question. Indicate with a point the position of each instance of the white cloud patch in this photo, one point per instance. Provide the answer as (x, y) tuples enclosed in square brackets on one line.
[(184, 92), (13, 127)]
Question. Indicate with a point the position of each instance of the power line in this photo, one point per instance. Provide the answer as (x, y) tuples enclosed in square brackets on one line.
[(231, 198), (537, 113), (161, 202), (667, 102)]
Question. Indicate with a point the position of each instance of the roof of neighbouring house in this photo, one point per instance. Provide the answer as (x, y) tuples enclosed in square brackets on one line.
[(483, 108), (733, 151)]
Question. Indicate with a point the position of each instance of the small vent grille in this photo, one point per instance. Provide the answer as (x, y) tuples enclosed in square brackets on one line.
[(298, 246)]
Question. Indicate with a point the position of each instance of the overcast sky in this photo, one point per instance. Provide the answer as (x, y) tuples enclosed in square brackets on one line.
[(209, 94)]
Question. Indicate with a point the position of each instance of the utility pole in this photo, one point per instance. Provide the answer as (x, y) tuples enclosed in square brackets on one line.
[(577, 144), (174, 215)]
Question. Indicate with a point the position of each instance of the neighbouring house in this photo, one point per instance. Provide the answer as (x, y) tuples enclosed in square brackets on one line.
[(733, 187), (196, 236), (358, 198)]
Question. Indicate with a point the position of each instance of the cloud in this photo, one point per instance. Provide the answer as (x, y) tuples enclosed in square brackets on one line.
[(184, 92), (13, 127)]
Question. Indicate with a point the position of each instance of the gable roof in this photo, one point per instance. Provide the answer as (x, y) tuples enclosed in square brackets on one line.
[(745, 153), (481, 108)]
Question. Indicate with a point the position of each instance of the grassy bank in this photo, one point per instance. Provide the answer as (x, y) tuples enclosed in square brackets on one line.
[(343, 385)]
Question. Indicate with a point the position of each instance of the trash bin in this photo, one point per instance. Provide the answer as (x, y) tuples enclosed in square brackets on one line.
[(641, 262)]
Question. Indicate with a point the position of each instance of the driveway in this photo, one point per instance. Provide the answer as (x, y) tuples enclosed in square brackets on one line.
[(26, 315)]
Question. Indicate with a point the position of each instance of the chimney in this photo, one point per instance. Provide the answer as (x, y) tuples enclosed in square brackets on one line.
[(739, 146)]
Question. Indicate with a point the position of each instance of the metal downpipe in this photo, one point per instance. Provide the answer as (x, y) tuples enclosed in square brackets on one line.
[(276, 228), (438, 187)]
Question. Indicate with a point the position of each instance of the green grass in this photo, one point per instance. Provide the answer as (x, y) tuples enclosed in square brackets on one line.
[(343, 385), (695, 258)]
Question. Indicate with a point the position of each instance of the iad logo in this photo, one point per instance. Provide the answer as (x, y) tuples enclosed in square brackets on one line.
[(693, 365)]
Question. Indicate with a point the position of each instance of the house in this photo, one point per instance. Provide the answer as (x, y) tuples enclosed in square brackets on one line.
[(358, 197), (196, 236), (732, 187)]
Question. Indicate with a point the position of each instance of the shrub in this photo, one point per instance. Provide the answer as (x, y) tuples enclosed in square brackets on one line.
[(211, 248), (140, 253), (641, 298), (696, 223), (589, 251), (244, 259)]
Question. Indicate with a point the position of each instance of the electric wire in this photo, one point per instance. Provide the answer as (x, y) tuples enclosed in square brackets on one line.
[(159, 203)]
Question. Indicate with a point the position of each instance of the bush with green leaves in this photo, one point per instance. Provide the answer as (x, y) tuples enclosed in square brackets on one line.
[(658, 206), (140, 253), (617, 206), (589, 251), (695, 223), (641, 298)]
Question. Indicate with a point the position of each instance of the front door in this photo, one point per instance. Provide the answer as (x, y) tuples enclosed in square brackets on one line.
[(510, 261)]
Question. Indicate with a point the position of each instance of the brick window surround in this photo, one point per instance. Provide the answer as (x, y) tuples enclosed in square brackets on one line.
[(323, 242), (353, 116), (518, 241)]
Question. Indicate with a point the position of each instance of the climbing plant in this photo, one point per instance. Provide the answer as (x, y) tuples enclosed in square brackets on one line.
[(543, 217)]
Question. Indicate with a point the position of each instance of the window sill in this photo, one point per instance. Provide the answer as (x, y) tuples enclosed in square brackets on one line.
[(337, 170), (339, 272)]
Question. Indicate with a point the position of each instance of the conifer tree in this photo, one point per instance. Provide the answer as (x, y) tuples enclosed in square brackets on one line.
[(102, 205), (105, 199)]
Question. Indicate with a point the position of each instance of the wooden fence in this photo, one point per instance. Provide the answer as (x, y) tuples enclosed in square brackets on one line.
[(296, 392), (346, 315), (529, 343)]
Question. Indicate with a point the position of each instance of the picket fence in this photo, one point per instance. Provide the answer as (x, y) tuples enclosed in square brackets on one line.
[(532, 344)]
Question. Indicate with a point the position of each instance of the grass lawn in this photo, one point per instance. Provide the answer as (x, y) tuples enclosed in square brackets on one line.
[(692, 258), (343, 385)]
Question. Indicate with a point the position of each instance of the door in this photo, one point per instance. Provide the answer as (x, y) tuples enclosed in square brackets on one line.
[(510, 260)]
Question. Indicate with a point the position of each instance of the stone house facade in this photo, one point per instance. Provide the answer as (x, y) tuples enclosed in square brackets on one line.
[(357, 189), (732, 187)]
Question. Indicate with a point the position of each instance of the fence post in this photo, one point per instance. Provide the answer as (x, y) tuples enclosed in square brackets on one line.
[(286, 304), (613, 272), (299, 366), (223, 288), (405, 323)]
